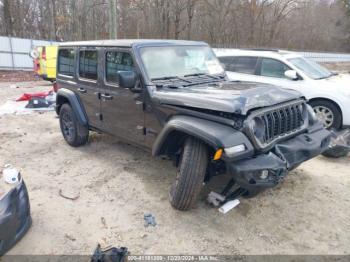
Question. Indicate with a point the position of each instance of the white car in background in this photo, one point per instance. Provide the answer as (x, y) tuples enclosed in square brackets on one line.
[(328, 93)]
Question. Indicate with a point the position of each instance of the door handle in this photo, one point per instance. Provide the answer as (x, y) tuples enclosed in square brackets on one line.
[(82, 90), (106, 97)]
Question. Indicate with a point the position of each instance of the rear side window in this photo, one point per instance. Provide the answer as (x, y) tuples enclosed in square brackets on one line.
[(245, 65), (66, 62), (273, 68), (227, 61), (88, 64), (117, 61)]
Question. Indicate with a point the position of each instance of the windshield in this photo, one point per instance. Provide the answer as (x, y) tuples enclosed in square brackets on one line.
[(179, 61), (311, 68)]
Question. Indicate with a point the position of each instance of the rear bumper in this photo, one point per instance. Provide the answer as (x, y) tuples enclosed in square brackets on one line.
[(283, 157), (15, 219)]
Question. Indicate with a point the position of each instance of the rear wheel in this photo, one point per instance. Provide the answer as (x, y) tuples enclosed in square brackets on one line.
[(328, 113), (73, 132), (190, 174)]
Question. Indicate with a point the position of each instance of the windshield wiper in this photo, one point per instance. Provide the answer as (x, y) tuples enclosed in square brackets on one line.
[(165, 78), (167, 81), (195, 74), (202, 74)]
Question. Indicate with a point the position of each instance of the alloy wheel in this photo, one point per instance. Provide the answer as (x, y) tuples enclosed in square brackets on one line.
[(325, 115), (68, 126)]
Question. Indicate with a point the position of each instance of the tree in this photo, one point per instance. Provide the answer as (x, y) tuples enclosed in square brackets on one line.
[(8, 20), (293, 24), (113, 19)]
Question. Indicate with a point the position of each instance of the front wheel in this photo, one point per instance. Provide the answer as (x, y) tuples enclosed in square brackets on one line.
[(190, 175), (73, 132), (328, 113)]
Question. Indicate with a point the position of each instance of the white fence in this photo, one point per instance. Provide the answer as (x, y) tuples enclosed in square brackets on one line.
[(14, 52)]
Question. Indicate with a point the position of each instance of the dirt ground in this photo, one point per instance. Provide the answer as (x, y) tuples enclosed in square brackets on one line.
[(117, 183), (341, 67)]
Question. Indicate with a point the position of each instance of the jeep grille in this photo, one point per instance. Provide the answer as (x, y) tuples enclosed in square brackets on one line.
[(269, 125)]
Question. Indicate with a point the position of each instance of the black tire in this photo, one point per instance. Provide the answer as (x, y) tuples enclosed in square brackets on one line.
[(337, 119), (190, 175), (73, 132), (336, 152)]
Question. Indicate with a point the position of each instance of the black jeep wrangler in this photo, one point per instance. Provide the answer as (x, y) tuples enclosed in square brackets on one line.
[(173, 98)]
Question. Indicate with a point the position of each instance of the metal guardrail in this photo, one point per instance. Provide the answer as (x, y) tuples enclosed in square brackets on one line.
[(326, 57), (14, 52), (316, 56)]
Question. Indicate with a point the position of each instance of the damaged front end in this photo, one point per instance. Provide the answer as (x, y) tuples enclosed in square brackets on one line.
[(15, 219), (266, 170)]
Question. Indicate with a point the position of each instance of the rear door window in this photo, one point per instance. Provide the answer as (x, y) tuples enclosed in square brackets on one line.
[(273, 68), (117, 61), (227, 61), (66, 62), (245, 65), (88, 64)]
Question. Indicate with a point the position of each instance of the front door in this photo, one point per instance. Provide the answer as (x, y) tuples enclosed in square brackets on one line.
[(271, 71), (122, 110)]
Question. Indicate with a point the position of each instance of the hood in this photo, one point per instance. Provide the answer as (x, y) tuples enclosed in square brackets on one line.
[(231, 97), (341, 81)]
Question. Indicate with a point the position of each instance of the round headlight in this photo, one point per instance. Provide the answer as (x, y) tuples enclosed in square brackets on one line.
[(258, 127)]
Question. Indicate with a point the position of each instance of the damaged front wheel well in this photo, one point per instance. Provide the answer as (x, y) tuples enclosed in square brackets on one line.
[(174, 142)]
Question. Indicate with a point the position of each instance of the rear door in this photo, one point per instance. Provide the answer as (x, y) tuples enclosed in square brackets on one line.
[(122, 109), (241, 68), (87, 85)]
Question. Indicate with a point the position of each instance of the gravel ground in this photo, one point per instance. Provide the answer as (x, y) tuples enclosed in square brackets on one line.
[(117, 183)]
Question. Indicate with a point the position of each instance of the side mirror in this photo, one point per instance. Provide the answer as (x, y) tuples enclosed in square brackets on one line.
[(127, 79), (291, 74)]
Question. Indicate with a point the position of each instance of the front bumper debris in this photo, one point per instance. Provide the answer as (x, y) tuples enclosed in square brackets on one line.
[(15, 219), (267, 170), (340, 139)]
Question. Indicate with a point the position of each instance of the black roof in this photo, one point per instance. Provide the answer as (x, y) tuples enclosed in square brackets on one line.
[(131, 42)]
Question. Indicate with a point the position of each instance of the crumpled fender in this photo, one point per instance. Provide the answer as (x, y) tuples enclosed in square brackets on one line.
[(15, 219), (64, 94), (212, 133)]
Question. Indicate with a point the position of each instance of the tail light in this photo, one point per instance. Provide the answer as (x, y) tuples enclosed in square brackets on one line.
[(43, 54)]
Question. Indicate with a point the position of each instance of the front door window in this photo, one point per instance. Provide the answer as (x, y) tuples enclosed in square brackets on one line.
[(273, 68)]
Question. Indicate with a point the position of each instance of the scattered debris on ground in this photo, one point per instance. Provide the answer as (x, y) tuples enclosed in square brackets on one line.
[(150, 220), (103, 221), (70, 197), (28, 103), (70, 237), (113, 254), (29, 96)]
